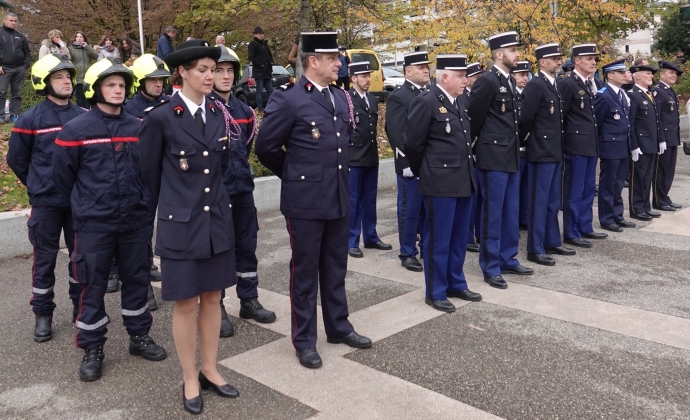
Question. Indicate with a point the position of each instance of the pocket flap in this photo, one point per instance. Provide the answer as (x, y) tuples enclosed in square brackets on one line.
[(544, 134), (225, 206), (313, 120), (443, 161), (182, 149), (174, 213), (445, 117), (219, 146), (304, 172)]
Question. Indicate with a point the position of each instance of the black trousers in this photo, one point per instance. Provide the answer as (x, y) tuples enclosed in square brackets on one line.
[(641, 173), (13, 78), (79, 94), (663, 176), (344, 82), (246, 223)]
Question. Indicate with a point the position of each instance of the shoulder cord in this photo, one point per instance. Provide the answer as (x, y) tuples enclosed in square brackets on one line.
[(230, 122), (351, 107), (255, 126)]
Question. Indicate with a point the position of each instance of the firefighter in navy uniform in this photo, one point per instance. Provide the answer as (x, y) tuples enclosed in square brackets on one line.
[(439, 150), (521, 75), (240, 124), (30, 156), (363, 157), (96, 168), (474, 72), (669, 117), (312, 121)]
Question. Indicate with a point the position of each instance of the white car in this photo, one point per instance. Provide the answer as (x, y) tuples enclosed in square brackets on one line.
[(394, 79)]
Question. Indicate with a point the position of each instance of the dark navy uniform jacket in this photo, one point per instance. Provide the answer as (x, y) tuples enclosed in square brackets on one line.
[(613, 123), (138, 104), (669, 113), (494, 121), (438, 145), (183, 169), (238, 177), (645, 130), (397, 106), (363, 150), (96, 168), (579, 121), (31, 147), (518, 104), (541, 117), (314, 165)]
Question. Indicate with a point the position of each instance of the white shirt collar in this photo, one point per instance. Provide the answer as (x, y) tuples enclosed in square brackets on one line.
[(450, 98), (584, 79), (644, 89), (615, 89), (665, 84), (414, 84), (552, 80), (192, 106), (507, 76), (316, 85), (519, 90)]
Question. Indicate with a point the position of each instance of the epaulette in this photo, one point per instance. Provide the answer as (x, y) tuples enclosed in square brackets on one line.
[(602, 90), (147, 110), (286, 86)]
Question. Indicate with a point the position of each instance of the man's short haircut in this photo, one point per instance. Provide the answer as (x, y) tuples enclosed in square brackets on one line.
[(304, 58), (9, 15), (218, 37), (170, 29), (639, 61)]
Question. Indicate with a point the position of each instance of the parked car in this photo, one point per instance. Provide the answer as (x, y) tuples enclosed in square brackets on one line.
[(394, 79), (377, 78), (245, 90)]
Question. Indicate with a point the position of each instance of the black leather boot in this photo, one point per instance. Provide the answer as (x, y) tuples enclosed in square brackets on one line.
[(153, 303), (226, 327), (144, 346), (155, 274), (91, 367), (252, 309), (113, 283), (43, 331)]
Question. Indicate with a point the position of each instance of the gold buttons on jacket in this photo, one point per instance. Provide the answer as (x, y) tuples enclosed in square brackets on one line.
[(207, 208), (206, 190), (206, 171), (205, 153)]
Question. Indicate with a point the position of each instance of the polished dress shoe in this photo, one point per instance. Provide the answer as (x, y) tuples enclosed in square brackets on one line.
[(440, 305), (641, 216), (43, 331), (581, 243), (153, 303), (665, 207), (472, 248), (497, 282), (309, 358), (519, 270), (144, 346), (355, 252), (113, 283), (91, 367), (626, 224), (595, 235), (654, 214), (675, 206), (412, 264), (353, 340), (225, 391), (560, 250), (541, 259), (193, 405), (252, 309), (465, 295), (613, 227), (226, 327), (155, 275), (379, 245)]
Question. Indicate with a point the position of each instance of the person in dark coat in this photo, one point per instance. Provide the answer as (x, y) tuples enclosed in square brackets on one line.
[(474, 72), (521, 75), (164, 45), (494, 121), (410, 206), (668, 107), (439, 150), (262, 66), (363, 155), (15, 60), (303, 140)]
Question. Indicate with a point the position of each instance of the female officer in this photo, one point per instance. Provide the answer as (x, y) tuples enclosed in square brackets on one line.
[(184, 155)]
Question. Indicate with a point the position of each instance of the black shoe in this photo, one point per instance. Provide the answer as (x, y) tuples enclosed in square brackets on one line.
[(379, 245), (675, 206), (560, 250), (412, 264), (581, 243), (519, 270), (225, 391), (353, 340), (155, 275), (309, 358), (626, 184), (113, 283), (43, 331), (472, 248), (613, 227), (595, 235), (654, 214), (465, 295), (226, 327), (626, 224), (641, 216), (153, 303), (91, 367), (440, 305), (355, 252), (541, 259), (252, 309), (497, 282), (193, 405), (665, 207), (523, 227), (144, 346)]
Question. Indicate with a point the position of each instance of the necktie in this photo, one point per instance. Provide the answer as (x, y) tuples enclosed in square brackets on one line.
[(651, 98), (327, 94), (621, 97), (510, 83), (366, 101), (592, 86), (200, 121)]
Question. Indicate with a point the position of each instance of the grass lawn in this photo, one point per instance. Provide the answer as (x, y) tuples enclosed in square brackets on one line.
[(12, 192)]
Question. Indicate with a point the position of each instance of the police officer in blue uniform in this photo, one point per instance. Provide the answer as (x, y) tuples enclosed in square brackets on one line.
[(312, 121), (410, 208), (96, 168), (494, 121), (30, 156), (612, 110), (521, 75), (240, 123), (439, 149), (474, 72), (668, 107), (363, 158), (580, 145), (541, 123), (646, 141)]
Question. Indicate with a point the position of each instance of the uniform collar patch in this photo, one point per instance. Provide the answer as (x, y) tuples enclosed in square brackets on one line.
[(212, 108), (178, 111), (309, 87)]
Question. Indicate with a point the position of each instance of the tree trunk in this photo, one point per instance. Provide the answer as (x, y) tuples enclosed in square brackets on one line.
[(303, 27)]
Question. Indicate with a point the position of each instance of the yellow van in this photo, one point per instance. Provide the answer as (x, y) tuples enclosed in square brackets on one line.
[(377, 79)]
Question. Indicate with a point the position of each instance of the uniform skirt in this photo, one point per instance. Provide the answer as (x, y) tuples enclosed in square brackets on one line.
[(184, 279)]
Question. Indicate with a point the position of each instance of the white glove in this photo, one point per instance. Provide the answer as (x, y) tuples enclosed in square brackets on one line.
[(636, 154), (662, 148), (407, 173)]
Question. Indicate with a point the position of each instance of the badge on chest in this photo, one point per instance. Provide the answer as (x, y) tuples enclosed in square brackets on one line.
[(315, 133), (184, 164)]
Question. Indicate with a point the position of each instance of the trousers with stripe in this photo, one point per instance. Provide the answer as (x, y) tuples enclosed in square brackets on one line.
[(524, 196), (663, 176), (45, 226), (445, 233), (246, 224), (612, 174), (544, 192), (363, 182), (475, 216), (91, 259), (410, 216), (319, 262), (641, 174), (578, 195), (499, 221)]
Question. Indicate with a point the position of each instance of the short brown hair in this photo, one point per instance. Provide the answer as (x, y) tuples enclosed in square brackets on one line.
[(53, 33), (107, 38)]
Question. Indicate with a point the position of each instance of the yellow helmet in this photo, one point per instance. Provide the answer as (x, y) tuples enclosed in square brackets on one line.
[(48, 65), (229, 56), (102, 69), (149, 66)]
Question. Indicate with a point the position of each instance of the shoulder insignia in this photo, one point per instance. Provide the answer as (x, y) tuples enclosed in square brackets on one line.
[(287, 86), (163, 101), (602, 90)]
